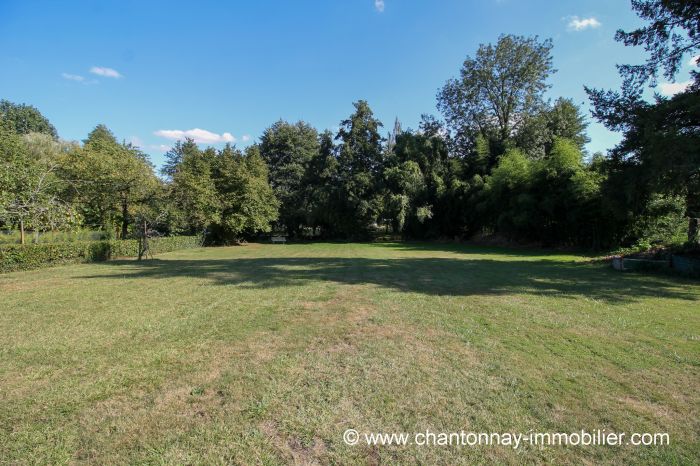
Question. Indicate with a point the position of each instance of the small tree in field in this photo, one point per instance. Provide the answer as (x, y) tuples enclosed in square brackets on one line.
[(29, 186)]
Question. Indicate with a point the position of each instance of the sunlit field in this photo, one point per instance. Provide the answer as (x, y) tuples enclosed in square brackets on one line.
[(267, 354)]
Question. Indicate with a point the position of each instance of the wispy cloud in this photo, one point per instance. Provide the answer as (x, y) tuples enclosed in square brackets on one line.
[(245, 138), (136, 141), (196, 134), (379, 5), (105, 72), (159, 147), (579, 24), (669, 89), (73, 77)]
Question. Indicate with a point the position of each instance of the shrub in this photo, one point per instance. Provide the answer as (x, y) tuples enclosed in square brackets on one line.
[(173, 243), (30, 256), (663, 221)]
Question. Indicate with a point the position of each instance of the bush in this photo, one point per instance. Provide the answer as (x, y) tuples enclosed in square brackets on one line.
[(663, 221), (30, 256)]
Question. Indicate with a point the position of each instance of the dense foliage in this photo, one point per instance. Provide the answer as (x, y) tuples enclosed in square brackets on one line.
[(506, 161), (25, 119), (225, 193), (659, 152)]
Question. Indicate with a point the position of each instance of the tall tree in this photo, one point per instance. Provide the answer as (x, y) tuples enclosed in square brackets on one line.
[(192, 190), (248, 204), (173, 157), (497, 90), (288, 149), (660, 138), (108, 179), (321, 183), (672, 35), (360, 162)]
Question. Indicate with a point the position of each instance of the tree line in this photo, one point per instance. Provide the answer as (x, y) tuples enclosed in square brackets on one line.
[(503, 160)]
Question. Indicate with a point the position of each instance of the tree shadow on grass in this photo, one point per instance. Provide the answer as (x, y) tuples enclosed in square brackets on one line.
[(471, 249), (432, 276)]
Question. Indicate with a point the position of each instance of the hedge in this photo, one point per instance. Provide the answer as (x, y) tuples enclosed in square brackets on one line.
[(30, 256)]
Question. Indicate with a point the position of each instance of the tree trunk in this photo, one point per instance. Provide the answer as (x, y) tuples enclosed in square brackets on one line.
[(692, 208), (125, 220), (21, 231), (143, 246), (694, 231)]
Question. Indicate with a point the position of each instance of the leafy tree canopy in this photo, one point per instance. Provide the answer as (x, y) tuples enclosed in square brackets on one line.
[(288, 149), (25, 119), (497, 89)]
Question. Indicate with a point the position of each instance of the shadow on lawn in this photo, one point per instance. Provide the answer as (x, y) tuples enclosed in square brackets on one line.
[(468, 248), (435, 276)]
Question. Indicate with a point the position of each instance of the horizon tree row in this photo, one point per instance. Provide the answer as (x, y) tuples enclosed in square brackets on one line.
[(504, 161)]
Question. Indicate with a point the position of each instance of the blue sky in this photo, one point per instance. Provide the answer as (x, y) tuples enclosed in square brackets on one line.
[(154, 70)]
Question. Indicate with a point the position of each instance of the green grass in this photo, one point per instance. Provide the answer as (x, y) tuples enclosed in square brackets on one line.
[(266, 354)]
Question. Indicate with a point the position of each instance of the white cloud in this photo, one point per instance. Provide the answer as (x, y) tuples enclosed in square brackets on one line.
[(694, 61), (245, 138), (196, 134), (106, 72), (73, 77), (670, 89), (159, 147), (579, 24), (379, 5)]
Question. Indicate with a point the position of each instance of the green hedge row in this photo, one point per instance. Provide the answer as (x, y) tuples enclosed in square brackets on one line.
[(30, 256)]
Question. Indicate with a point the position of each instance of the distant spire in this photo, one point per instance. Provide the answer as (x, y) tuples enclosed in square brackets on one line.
[(391, 140)]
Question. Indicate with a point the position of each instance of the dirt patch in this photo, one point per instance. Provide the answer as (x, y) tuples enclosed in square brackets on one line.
[(292, 449)]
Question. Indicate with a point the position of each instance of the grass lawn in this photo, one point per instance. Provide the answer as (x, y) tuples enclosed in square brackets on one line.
[(266, 354)]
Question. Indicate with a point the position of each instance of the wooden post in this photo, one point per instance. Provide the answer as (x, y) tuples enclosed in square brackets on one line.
[(21, 231)]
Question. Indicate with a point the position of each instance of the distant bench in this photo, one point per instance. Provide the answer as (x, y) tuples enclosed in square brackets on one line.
[(279, 239)]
